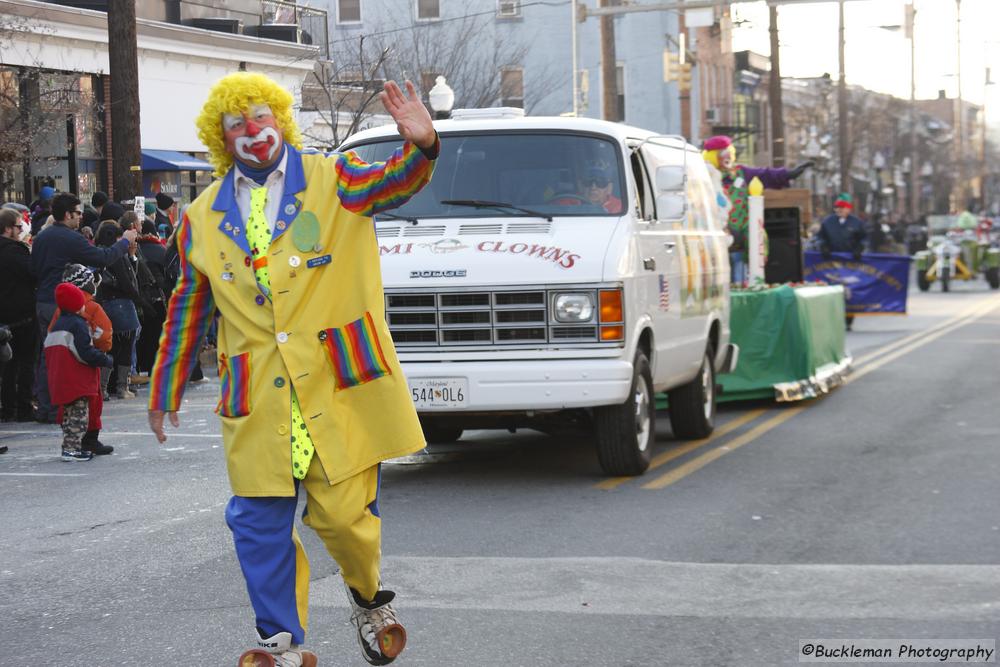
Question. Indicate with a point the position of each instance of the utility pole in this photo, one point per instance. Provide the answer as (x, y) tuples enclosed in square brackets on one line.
[(982, 145), (959, 113), (609, 66), (845, 167), (124, 71), (684, 87), (774, 92), (911, 14)]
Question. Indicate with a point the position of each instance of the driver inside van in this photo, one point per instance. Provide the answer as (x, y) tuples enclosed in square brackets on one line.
[(594, 186)]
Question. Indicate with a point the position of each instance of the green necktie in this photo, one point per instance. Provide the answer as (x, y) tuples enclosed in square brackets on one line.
[(260, 241)]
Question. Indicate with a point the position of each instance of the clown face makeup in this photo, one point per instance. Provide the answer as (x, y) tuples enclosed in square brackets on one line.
[(726, 158), (253, 137)]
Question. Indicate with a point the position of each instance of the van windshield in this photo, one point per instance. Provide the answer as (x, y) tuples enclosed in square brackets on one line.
[(551, 174)]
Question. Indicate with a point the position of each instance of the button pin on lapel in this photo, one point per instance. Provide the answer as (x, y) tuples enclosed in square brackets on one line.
[(227, 276), (289, 209), (228, 226), (246, 260), (259, 299), (281, 225), (294, 261)]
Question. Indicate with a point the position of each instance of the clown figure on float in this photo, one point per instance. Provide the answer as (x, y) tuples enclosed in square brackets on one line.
[(282, 247), (732, 181)]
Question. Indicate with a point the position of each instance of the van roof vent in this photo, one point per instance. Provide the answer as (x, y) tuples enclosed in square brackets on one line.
[(490, 113)]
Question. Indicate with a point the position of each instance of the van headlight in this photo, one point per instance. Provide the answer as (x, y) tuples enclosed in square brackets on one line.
[(574, 307)]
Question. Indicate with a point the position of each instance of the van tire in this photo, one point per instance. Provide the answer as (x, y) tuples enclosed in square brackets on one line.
[(692, 406), (625, 433), (438, 433)]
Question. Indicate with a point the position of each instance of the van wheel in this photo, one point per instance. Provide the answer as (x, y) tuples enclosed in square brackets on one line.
[(438, 433), (993, 277), (692, 406), (625, 433), (922, 281)]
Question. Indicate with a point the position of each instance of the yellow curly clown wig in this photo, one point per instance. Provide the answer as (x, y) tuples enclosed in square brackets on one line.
[(712, 157), (234, 93)]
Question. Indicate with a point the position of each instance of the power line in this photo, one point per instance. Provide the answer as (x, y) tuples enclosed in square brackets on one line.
[(491, 12)]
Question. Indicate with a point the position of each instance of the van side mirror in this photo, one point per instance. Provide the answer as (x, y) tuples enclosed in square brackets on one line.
[(671, 206), (670, 178)]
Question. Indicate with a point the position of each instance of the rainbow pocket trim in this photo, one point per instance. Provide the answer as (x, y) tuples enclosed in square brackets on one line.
[(234, 385), (355, 353)]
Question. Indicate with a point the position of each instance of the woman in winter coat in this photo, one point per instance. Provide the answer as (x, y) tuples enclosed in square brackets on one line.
[(119, 295), (152, 258), (17, 311)]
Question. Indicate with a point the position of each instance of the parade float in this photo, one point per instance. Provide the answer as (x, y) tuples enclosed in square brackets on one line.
[(791, 335)]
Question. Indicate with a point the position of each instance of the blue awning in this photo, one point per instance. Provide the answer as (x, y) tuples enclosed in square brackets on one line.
[(172, 161)]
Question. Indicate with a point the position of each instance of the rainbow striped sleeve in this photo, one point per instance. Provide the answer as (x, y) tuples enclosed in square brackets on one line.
[(188, 318), (366, 189), (356, 353)]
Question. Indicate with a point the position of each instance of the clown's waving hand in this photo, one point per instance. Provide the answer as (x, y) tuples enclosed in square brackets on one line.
[(311, 392)]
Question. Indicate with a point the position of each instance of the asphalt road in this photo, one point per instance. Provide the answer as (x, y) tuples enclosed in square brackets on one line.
[(870, 513)]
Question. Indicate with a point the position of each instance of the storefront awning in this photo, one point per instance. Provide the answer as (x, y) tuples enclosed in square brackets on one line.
[(172, 161)]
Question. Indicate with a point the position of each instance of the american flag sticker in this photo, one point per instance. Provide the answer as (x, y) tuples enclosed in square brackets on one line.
[(664, 293)]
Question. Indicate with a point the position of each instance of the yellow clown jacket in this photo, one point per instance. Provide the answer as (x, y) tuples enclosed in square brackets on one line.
[(320, 328)]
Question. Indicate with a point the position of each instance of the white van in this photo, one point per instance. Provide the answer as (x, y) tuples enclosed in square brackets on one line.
[(557, 272)]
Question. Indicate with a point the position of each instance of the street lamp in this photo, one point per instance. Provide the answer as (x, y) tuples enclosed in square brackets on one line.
[(441, 98)]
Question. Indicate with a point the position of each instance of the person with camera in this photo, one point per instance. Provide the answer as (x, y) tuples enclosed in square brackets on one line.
[(17, 312)]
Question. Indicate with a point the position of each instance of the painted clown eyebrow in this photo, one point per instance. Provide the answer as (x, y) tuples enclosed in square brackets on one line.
[(233, 120)]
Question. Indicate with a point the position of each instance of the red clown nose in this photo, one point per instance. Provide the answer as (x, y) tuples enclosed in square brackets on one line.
[(253, 129)]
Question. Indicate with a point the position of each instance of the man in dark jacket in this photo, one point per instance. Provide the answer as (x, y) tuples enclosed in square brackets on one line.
[(92, 214), (52, 250), (841, 231), (17, 311), (164, 204)]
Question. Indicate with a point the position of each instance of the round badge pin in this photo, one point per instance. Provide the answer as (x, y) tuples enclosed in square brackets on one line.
[(317, 248), (228, 227), (305, 231), (227, 276), (294, 261), (281, 225), (246, 260), (259, 299), (289, 209)]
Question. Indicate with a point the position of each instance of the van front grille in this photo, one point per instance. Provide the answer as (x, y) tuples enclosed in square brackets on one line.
[(481, 318)]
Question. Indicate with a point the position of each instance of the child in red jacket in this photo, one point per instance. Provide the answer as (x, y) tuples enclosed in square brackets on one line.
[(100, 332), (72, 362)]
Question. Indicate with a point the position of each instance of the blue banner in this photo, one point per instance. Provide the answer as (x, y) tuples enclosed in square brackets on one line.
[(876, 284)]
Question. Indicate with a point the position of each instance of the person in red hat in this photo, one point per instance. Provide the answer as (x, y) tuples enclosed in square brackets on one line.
[(72, 362), (720, 153)]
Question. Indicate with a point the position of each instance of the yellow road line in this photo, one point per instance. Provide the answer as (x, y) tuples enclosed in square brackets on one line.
[(919, 334), (895, 354), (759, 430), (674, 452), (713, 454)]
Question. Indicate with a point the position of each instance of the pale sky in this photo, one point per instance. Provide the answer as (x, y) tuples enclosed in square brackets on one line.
[(879, 59)]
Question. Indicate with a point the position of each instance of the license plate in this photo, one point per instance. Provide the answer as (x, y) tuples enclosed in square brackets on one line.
[(431, 393)]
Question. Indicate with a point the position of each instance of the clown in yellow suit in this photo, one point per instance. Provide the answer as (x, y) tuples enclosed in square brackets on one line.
[(311, 391)]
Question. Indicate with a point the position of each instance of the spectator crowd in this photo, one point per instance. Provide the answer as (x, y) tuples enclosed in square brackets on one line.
[(83, 297)]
